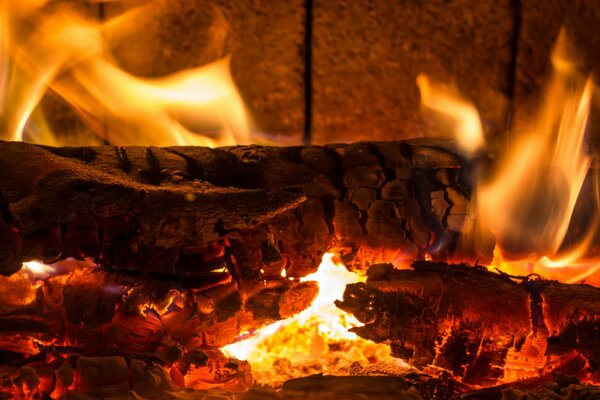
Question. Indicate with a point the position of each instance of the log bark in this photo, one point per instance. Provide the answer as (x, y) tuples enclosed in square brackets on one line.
[(186, 209), (480, 325)]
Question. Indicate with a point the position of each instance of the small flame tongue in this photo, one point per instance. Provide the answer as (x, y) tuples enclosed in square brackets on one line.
[(68, 54), (456, 116)]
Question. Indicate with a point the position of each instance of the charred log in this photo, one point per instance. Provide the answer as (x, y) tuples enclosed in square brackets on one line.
[(97, 312), (190, 209), (475, 323)]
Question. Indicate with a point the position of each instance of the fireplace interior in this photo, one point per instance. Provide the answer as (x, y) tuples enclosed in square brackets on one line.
[(309, 199)]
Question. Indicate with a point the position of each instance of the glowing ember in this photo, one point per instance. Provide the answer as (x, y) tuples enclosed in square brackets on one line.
[(315, 341), (527, 206)]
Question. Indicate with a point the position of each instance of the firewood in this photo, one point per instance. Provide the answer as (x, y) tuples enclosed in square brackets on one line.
[(187, 209), (473, 322), (96, 311)]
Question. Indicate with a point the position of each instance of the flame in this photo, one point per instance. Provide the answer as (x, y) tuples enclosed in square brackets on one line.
[(17, 290), (457, 117), (68, 54), (527, 206), (573, 267), (530, 201), (316, 340), (38, 269)]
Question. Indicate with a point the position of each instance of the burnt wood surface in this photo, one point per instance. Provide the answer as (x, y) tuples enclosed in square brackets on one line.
[(95, 312), (476, 323), (163, 37), (254, 210)]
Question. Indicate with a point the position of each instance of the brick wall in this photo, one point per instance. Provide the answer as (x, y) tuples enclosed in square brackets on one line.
[(353, 64)]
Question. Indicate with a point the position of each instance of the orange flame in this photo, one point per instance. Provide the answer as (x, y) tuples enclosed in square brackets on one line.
[(528, 204), (532, 197), (530, 201), (67, 54), (456, 116)]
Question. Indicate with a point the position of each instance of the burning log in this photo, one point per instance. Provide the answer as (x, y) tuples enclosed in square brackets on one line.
[(257, 210), (479, 325), (95, 312)]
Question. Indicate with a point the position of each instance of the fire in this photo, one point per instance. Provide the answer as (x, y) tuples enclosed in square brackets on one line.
[(457, 117), (69, 55), (314, 341), (38, 269), (17, 290), (528, 203)]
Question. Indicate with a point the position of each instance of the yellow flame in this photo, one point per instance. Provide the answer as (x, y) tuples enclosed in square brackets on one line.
[(68, 54), (527, 206), (316, 340), (529, 203), (38, 269), (457, 117)]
